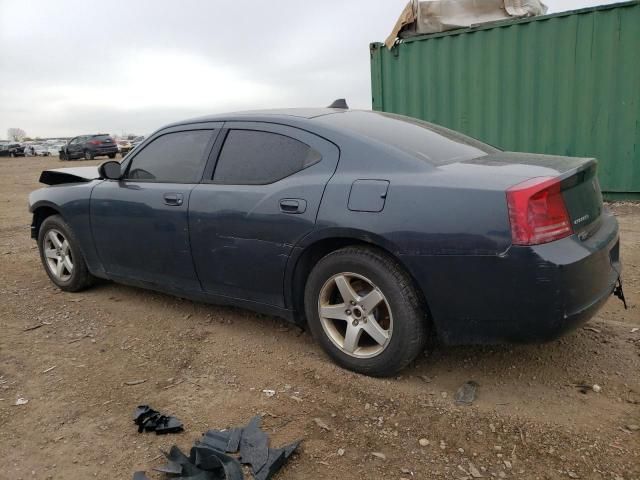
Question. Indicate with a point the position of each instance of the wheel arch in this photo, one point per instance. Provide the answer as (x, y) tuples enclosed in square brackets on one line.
[(315, 247), (41, 211)]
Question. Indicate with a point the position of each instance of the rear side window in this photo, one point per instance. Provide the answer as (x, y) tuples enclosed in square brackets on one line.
[(429, 142), (251, 157), (172, 158)]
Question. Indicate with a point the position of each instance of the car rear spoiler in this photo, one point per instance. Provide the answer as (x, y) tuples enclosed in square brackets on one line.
[(58, 176)]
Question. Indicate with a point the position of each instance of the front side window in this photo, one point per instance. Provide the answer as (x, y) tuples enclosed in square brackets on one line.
[(172, 158), (251, 157)]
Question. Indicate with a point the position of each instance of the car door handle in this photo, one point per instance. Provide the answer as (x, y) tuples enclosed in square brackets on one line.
[(173, 199), (293, 205)]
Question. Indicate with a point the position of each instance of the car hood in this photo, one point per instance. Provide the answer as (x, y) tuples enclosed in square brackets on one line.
[(69, 175)]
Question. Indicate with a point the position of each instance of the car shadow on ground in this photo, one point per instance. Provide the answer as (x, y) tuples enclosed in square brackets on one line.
[(568, 360)]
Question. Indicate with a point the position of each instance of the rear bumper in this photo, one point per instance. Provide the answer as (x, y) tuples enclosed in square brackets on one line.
[(104, 151), (528, 294)]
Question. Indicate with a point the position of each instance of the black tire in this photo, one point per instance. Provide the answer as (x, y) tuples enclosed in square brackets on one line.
[(12, 155), (112, 155), (410, 322), (62, 155), (80, 278), (88, 155)]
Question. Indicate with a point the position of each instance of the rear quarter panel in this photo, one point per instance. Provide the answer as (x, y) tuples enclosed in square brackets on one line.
[(427, 210)]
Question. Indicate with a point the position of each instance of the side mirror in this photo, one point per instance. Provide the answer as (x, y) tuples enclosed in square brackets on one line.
[(110, 170)]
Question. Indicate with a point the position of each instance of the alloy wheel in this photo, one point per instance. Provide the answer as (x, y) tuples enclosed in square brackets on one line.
[(57, 253), (355, 315)]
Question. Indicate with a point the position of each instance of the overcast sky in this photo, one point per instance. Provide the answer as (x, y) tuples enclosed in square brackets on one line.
[(77, 66)]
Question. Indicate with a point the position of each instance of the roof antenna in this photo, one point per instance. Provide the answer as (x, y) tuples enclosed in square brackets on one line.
[(339, 103)]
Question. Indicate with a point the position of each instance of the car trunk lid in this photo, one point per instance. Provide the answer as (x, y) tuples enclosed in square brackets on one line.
[(579, 185), (582, 196)]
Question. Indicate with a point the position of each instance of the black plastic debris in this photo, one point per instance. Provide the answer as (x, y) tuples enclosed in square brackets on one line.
[(254, 445), (223, 440), (466, 394), (151, 420), (209, 458), (618, 292)]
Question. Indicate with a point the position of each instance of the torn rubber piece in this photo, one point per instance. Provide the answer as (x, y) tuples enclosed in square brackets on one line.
[(189, 469), (277, 458), (209, 460), (223, 440), (466, 394), (151, 420), (254, 445), (171, 467)]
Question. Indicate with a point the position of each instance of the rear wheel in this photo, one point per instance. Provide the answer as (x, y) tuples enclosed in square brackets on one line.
[(61, 255), (88, 155), (112, 155), (364, 311)]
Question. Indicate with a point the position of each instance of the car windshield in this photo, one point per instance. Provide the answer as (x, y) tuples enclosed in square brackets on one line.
[(101, 137), (432, 143)]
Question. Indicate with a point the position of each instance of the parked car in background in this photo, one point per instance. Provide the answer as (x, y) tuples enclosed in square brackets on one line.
[(55, 148), (4, 149), (41, 150), (12, 150), (124, 146), (377, 231), (89, 147), (136, 141)]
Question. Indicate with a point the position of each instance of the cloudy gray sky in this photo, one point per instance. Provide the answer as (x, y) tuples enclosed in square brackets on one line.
[(78, 66)]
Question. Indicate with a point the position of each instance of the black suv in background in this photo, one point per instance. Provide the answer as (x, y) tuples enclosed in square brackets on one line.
[(89, 147), (11, 150)]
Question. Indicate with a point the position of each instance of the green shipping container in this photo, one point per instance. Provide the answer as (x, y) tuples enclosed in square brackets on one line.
[(566, 84)]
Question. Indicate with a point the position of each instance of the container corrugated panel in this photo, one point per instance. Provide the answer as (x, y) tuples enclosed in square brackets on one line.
[(566, 84)]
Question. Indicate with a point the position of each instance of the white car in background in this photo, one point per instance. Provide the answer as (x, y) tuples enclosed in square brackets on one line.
[(41, 150), (55, 149)]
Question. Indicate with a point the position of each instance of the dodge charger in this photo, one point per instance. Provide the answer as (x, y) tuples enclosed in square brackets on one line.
[(375, 231)]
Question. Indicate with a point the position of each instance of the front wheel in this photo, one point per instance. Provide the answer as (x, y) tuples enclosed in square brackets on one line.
[(61, 255), (362, 308), (88, 155)]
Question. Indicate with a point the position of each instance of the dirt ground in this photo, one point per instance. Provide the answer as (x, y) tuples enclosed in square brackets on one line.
[(209, 366)]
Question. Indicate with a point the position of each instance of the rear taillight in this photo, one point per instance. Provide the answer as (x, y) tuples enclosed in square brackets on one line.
[(95, 142), (537, 212)]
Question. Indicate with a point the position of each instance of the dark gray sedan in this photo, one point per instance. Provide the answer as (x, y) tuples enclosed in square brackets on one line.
[(376, 231)]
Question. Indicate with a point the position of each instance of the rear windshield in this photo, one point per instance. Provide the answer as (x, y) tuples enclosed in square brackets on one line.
[(426, 141), (102, 137)]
